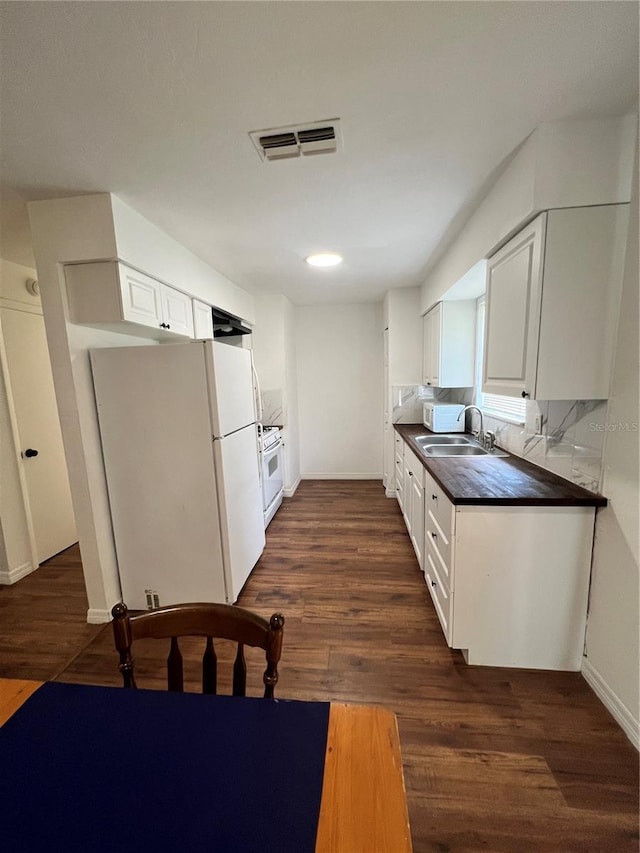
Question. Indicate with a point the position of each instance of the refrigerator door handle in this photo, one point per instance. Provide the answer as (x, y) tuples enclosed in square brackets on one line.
[(256, 386)]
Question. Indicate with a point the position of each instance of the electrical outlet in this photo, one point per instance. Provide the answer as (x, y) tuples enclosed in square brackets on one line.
[(538, 424), (153, 599)]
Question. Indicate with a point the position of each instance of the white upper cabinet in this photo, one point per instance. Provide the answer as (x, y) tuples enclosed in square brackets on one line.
[(552, 301), (514, 287), (112, 295), (202, 320), (177, 311), (448, 345)]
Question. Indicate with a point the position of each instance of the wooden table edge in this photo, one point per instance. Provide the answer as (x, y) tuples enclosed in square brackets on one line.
[(14, 692), (363, 784)]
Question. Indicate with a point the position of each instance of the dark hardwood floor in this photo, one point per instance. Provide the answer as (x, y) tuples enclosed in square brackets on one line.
[(494, 759)]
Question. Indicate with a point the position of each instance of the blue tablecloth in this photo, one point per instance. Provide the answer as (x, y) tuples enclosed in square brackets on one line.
[(98, 769)]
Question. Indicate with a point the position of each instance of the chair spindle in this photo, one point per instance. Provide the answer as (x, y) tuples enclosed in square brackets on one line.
[(174, 667), (240, 673), (209, 668)]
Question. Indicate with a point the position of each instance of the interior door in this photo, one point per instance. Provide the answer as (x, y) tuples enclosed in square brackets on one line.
[(38, 425)]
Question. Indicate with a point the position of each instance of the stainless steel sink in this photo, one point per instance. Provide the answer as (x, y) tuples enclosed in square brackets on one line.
[(461, 450), (427, 440)]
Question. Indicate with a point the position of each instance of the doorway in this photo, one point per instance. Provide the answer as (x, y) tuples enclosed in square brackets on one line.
[(34, 420)]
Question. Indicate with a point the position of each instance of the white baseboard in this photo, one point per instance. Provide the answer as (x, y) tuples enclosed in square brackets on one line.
[(343, 476), (612, 702), (96, 616), (390, 493), (9, 576), (290, 492)]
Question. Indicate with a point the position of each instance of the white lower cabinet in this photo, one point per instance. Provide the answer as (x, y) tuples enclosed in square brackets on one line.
[(399, 471), (509, 583), (410, 476), (417, 519)]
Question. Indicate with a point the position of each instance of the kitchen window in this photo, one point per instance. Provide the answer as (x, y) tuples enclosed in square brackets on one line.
[(498, 406)]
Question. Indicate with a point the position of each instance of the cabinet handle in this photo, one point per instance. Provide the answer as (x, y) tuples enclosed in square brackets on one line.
[(411, 473), (434, 535), (428, 383), (29, 452), (434, 497), (163, 325), (525, 394), (168, 326), (433, 584)]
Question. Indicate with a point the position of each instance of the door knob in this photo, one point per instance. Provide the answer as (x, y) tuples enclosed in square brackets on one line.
[(29, 452)]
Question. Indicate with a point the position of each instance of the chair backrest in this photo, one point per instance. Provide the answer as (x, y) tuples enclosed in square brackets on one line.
[(222, 621)]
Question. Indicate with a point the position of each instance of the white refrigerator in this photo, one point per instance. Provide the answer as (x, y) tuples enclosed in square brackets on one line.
[(179, 441)]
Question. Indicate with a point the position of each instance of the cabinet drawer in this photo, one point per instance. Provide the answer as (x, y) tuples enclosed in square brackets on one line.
[(440, 595), (440, 549), (439, 505), (414, 465), (399, 475)]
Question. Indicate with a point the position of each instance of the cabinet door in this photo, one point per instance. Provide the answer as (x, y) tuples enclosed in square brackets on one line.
[(417, 519), (407, 493), (426, 350), (177, 311), (435, 335), (141, 297), (399, 466), (512, 325), (431, 348), (202, 320)]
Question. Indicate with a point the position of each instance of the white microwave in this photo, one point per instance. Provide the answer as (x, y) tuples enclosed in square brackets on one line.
[(442, 417)]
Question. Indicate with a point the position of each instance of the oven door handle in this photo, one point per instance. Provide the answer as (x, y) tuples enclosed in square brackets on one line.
[(271, 450)]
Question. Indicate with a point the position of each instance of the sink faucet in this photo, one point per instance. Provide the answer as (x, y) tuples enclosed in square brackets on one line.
[(481, 430)]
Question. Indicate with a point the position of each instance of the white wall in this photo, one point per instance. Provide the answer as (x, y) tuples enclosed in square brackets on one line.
[(144, 246), (274, 352), (405, 336), (562, 164), (340, 355), (401, 318), (267, 341), (82, 229), (612, 663), (16, 554), (292, 429)]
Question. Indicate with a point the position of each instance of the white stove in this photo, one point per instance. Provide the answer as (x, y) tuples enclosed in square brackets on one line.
[(272, 471), (269, 436)]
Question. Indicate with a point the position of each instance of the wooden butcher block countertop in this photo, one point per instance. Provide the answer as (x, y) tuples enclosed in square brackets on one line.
[(497, 480)]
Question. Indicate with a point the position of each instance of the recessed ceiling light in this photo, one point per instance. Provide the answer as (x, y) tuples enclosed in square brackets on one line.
[(324, 259)]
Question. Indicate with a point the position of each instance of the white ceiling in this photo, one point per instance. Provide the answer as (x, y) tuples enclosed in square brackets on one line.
[(154, 102)]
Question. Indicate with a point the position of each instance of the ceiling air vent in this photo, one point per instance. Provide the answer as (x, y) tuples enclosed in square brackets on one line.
[(279, 143)]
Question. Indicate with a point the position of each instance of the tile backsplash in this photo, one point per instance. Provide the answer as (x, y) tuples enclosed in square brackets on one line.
[(272, 407), (406, 402), (569, 443)]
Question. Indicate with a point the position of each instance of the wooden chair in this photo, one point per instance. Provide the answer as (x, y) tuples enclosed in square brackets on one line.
[(201, 620)]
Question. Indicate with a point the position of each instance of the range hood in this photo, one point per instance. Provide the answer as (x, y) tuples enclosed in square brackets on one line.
[(225, 325)]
